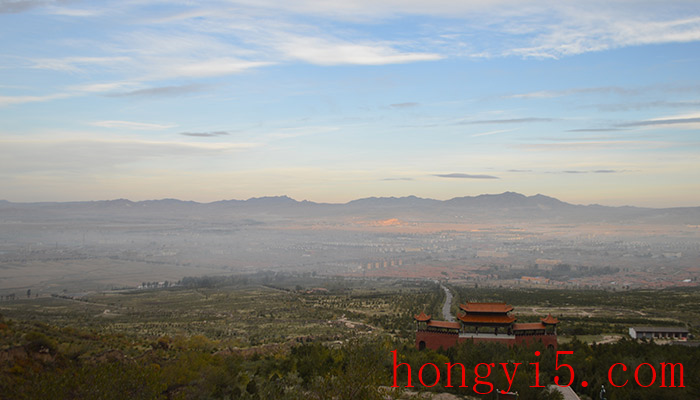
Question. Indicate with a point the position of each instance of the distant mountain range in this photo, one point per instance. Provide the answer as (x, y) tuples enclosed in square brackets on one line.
[(486, 207)]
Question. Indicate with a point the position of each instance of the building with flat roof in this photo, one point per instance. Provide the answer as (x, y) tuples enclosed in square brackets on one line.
[(659, 332)]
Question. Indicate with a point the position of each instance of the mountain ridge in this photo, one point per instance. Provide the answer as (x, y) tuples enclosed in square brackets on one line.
[(504, 199), (504, 207)]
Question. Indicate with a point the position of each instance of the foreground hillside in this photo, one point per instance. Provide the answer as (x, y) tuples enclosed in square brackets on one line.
[(310, 338)]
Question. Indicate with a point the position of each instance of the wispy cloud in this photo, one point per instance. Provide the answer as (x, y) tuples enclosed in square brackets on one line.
[(534, 29), (106, 88), (646, 105), (404, 105), (131, 125), (597, 171), (577, 30), (596, 130), (687, 121), (397, 179), (662, 121), (78, 64), (162, 91), (531, 29), (492, 132), (212, 67), (593, 145), (17, 6), (10, 100), (334, 51), (204, 134), (101, 87), (289, 133), (466, 176), (509, 121), (75, 12), (547, 94)]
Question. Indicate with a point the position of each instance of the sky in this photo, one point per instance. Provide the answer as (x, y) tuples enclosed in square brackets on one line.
[(585, 101)]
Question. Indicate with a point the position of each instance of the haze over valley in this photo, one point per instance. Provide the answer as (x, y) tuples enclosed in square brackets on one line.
[(505, 239)]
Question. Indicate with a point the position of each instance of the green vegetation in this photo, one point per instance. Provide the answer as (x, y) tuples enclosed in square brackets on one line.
[(191, 369), (282, 338), (242, 315), (292, 337)]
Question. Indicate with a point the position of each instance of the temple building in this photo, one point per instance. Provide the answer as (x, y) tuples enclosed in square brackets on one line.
[(484, 322)]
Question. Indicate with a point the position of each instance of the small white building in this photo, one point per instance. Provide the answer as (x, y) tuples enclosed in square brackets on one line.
[(658, 332)]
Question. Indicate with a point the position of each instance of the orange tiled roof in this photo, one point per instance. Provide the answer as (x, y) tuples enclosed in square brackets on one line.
[(528, 326), (422, 317), (471, 307), (550, 320), (487, 319), (444, 324)]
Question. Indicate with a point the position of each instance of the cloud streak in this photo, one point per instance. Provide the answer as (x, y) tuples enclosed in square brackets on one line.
[(334, 51), (404, 105), (508, 121), (548, 94), (597, 171), (12, 100), (583, 130), (646, 105), (204, 134), (79, 64), (18, 6), (465, 176), (593, 145), (661, 122), (162, 91), (492, 132), (131, 125)]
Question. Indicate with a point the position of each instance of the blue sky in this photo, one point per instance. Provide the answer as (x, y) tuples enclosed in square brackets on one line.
[(590, 102)]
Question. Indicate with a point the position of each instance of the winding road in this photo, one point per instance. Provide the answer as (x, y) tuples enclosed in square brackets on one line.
[(448, 305)]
